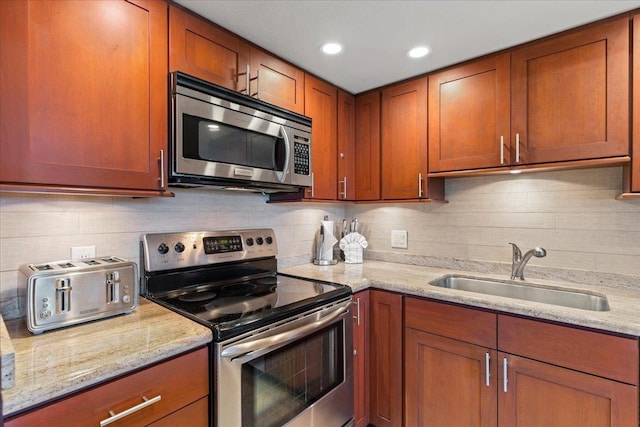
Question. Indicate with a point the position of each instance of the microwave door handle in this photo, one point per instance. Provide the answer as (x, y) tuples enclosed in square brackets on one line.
[(250, 349), (287, 154)]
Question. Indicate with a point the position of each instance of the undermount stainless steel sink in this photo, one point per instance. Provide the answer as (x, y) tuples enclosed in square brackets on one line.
[(524, 291)]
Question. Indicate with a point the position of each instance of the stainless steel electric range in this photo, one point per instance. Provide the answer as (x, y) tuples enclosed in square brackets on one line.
[(282, 345)]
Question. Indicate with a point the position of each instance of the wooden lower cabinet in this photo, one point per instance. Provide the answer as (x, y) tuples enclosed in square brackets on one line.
[(181, 383), (540, 394), (634, 182), (386, 359), (526, 373), (361, 383)]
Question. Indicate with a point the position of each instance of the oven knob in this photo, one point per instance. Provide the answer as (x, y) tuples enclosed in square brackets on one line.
[(179, 247), (163, 248), (259, 240), (269, 240), (249, 241)]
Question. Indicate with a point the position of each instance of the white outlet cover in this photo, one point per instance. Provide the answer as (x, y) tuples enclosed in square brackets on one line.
[(83, 252), (399, 239)]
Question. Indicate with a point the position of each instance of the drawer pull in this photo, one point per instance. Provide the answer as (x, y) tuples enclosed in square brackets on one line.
[(116, 417)]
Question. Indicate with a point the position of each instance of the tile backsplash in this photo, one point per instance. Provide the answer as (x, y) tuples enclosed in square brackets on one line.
[(572, 214)]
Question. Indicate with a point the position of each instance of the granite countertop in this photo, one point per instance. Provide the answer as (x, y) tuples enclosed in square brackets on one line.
[(59, 362), (624, 299)]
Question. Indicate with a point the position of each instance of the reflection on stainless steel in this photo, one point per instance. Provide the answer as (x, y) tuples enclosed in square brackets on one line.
[(562, 297)]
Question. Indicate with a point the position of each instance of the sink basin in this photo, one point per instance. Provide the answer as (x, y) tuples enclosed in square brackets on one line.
[(523, 291)]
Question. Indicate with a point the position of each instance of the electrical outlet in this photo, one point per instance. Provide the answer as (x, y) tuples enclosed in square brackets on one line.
[(83, 252), (399, 239)]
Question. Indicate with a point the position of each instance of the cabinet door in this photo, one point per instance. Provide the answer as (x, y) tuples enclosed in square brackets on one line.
[(404, 140), (570, 96), (276, 81), (635, 167), (79, 111), (204, 50), (386, 359), (361, 358), (448, 382), (321, 105), (367, 146), (469, 117), (538, 394), (346, 146)]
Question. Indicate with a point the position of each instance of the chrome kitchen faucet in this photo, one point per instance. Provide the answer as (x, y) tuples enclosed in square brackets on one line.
[(519, 261)]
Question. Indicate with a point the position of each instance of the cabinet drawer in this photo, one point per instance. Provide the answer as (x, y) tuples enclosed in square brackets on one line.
[(178, 382), (460, 323), (596, 353)]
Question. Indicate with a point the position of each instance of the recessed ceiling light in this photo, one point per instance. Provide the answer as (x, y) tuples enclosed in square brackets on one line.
[(418, 52), (331, 48)]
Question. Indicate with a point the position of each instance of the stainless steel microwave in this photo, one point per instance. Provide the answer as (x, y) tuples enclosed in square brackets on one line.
[(224, 139)]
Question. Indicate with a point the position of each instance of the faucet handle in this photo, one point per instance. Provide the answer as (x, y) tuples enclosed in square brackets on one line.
[(517, 254)]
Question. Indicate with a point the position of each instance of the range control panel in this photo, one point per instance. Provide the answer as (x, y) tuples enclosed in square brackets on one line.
[(167, 251)]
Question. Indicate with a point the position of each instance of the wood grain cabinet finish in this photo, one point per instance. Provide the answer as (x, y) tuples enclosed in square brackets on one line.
[(564, 98), (346, 146), (465, 366), (367, 146), (204, 50), (469, 116), (321, 104), (404, 140), (361, 321), (386, 359), (276, 81), (570, 96), (182, 384), (635, 167), (76, 109)]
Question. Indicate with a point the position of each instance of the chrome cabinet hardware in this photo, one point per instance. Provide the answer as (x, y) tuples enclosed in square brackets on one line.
[(517, 148), (115, 417), (501, 150), (357, 316), (487, 375), (313, 186), (161, 160), (420, 185), (505, 380), (344, 183)]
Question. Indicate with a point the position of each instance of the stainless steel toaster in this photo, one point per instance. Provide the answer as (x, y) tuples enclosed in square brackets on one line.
[(65, 293)]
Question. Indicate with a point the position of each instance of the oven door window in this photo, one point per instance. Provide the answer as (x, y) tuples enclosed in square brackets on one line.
[(281, 384), (221, 143)]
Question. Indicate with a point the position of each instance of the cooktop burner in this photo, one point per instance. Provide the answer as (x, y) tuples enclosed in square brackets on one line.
[(197, 296)]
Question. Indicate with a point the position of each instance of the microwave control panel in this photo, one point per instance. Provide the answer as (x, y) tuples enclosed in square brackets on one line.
[(301, 156)]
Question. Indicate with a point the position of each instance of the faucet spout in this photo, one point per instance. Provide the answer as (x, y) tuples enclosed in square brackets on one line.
[(520, 261)]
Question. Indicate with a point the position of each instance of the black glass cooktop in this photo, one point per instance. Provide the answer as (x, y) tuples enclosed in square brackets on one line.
[(232, 309)]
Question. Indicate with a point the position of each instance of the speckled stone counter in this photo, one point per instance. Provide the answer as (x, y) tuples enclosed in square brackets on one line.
[(7, 358), (624, 299), (59, 362)]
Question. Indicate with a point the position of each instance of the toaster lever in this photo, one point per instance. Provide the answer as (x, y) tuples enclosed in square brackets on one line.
[(113, 287), (63, 295)]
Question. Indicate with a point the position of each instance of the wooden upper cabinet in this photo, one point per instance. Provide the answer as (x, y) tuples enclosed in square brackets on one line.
[(204, 50), (76, 109), (570, 96), (277, 82), (346, 146), (321, 104), (367, 146), (635, 167), (404, 140), (469, 116)]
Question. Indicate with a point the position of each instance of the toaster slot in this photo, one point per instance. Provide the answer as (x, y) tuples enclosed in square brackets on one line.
[(113, 287), (63, 295)]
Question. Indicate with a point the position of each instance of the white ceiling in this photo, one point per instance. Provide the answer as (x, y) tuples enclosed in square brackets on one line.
[(376, 34)]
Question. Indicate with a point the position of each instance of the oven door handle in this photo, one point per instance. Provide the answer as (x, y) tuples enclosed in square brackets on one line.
[(283, 338)]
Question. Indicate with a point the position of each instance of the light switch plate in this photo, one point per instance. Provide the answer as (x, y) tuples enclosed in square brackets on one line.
[(399, 239)]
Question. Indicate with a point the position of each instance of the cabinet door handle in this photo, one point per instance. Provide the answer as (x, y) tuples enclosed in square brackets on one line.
[(420, 185), (126, 412), (357, 316), (505, 380), (313, 193), (344, 193), (487, 367), (161, 160), (501, 150), (517, 148)]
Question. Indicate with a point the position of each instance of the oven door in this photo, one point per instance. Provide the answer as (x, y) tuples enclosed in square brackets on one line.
[(214, 140), (295, 373)]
